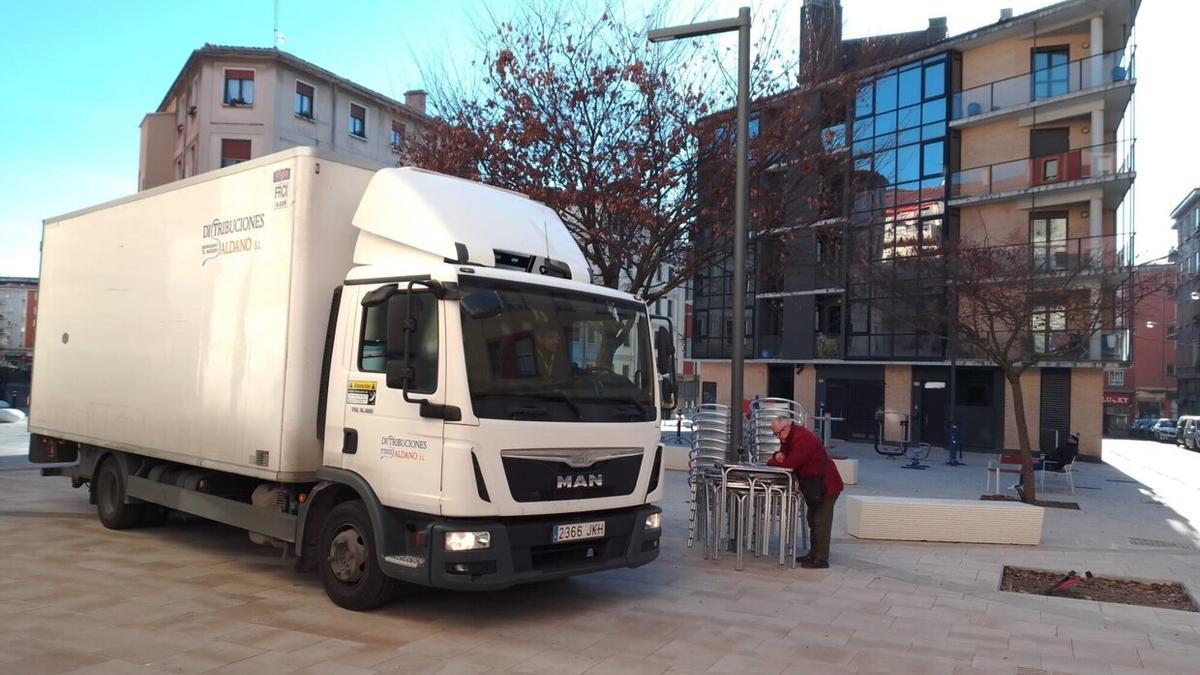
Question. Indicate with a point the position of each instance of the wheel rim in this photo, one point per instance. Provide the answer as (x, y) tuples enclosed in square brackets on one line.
[(348, 555)]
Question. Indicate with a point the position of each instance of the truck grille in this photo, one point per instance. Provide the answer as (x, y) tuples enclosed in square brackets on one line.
[(542, 480)]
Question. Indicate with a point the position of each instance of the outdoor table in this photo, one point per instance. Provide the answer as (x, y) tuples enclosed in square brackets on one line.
[(754, 473)]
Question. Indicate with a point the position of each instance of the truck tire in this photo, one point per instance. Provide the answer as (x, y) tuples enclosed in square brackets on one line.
[(109, 485), (346, 557)]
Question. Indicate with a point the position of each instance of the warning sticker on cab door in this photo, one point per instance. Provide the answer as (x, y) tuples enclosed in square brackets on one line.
[(360, 392)]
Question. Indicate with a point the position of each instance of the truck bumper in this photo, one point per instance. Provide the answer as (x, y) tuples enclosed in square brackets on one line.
[(521, 549)]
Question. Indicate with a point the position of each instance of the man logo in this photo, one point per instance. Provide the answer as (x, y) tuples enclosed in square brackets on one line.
[(567, 482)]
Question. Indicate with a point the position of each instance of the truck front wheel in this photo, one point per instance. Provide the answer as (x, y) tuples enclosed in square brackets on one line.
[(109, 484), (346, 556)]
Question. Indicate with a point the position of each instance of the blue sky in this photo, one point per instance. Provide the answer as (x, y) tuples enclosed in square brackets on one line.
[(78, 77)]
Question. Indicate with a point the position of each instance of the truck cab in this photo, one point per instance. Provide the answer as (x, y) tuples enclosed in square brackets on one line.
[(504, 415)]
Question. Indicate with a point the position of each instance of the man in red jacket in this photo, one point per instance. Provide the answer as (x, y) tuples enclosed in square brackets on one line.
[(802, 452)]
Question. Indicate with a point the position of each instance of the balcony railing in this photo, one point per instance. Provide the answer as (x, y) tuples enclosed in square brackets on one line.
[(1076, 255), (1045, 83), (1067, 345), (1112, 345), (1094, 161)]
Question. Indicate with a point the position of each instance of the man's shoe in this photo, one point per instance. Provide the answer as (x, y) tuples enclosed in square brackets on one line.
[(815, 565), (807, 557)]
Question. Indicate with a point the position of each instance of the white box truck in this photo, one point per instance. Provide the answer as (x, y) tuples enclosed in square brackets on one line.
[(395, 375)]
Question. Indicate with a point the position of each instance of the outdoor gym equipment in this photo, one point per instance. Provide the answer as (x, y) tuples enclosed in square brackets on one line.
[(891, 449), (916, 453)]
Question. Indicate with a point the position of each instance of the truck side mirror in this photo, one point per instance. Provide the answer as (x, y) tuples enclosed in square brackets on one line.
[(482, 304), (401, 324), (399, 374), (664, 351), (668, 399)]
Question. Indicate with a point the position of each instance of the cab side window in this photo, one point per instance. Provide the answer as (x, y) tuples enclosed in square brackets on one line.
[(373, 355)]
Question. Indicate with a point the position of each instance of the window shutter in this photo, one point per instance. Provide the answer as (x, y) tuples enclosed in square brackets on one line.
[(358, 111), (235, 149), (232, 74), (304, 89)]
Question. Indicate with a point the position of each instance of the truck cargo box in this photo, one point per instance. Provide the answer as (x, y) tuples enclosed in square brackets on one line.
[(187, 322)]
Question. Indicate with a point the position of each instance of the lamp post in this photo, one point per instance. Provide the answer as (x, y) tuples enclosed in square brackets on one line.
[(741, 24)]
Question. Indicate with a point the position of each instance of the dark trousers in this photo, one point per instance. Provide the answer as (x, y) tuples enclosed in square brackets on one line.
[(820, 528)]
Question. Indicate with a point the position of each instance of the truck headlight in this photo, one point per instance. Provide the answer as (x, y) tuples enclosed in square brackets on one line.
[(654, 521), (468, 541)]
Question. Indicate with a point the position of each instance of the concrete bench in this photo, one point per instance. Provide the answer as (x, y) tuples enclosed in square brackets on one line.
[(951, 520), (848, 468)]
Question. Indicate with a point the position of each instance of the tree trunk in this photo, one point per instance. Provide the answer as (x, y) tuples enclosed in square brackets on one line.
[(1029, 484)]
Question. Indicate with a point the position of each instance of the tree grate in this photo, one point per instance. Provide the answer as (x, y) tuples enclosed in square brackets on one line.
[(1158, 543)]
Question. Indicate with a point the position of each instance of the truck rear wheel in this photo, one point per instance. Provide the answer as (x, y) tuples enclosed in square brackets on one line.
[(109, 484), (346, 556)]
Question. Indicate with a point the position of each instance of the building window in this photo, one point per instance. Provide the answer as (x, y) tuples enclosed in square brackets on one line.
[(398, 133), (1049, 329), (1051, 73), (239, 87), (304, 100), (358, 120), (234, 151), (1116, 378), (1048, 236)]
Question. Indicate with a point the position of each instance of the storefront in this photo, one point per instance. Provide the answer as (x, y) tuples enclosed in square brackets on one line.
[(1118, 411)]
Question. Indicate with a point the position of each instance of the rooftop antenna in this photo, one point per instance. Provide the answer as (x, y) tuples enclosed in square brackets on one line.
[(277, 38)]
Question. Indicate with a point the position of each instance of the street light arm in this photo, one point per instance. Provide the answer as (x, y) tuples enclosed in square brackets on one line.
[(697, 29)]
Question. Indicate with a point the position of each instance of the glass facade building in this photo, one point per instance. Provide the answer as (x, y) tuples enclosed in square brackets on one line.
[(901, 158)]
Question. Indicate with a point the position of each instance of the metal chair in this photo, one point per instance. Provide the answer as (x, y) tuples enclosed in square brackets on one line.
[(763, 443), (710, 448)]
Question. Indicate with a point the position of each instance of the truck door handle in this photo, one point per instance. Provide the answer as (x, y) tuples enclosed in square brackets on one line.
[(349, 441)]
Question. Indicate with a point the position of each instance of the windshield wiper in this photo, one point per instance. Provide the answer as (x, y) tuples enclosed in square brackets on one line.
[(536, 395), (629, 400), (558, 396)]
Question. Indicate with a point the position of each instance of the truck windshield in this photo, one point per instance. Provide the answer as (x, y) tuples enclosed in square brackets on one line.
[(540, 353)]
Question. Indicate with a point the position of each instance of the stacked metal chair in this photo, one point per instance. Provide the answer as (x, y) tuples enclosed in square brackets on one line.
[(762, 412), (710, 449), (774, 502)]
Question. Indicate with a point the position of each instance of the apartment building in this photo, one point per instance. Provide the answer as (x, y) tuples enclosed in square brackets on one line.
[(1015, 134), (1186, 222), (18, 320), (1147, 387), (232, 104)]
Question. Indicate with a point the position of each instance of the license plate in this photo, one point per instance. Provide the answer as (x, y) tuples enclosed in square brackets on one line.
[(577, 531)]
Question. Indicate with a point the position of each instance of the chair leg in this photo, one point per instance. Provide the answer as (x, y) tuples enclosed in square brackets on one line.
[(1071, 479)]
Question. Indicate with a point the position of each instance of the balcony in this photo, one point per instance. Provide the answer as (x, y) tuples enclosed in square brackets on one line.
[(1076, 256), (1109, 75), (1068, 347), (1073, 346), (1109, 164), (828, 346)]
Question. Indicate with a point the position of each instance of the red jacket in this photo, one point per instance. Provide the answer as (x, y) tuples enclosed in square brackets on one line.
[(804, 455)]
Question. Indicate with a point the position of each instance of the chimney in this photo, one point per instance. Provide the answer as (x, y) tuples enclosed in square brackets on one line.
[(415, 99), (1006, 14), (820, 30), (937, 29)]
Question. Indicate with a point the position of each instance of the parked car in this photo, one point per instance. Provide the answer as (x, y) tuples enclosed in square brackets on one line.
[(1141, 428), (1185, 431), (1163, 430)]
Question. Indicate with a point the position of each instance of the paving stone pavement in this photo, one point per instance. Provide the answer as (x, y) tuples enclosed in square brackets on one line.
[(194, 597)]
